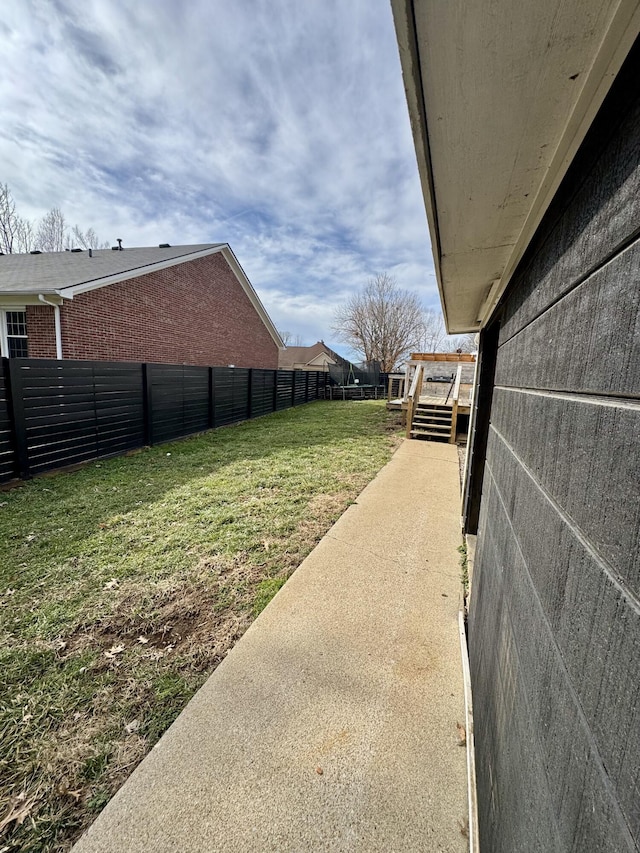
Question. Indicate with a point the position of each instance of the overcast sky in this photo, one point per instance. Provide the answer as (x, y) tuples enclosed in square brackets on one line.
[(278, 126)]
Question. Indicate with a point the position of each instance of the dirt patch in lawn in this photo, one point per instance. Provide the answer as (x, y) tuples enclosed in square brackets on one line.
[(185, 620), (394, 422)]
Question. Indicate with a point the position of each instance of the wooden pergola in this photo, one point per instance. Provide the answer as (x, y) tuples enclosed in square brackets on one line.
[(456, 357)]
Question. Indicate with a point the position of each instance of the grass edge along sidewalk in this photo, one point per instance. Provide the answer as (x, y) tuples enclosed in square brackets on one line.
[(122, 586)]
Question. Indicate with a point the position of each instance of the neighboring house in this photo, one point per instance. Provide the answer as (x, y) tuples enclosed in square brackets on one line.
[(526, 122), (316, 357), (172, 304)]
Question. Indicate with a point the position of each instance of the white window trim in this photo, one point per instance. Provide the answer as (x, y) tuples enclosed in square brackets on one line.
[(4, 342)]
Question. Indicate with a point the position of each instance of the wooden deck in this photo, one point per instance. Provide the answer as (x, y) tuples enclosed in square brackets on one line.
[(433, 416), (430, 402)]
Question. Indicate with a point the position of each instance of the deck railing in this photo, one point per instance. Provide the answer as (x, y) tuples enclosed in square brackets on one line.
[(414, 396), (454, 410)]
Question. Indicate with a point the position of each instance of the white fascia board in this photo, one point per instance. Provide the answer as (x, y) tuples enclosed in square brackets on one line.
[(253, 296)]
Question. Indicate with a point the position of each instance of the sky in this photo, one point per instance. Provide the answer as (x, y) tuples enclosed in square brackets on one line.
[(277, 126)]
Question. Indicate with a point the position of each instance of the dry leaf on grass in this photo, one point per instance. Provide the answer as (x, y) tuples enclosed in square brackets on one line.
[(63, 791), (18, 811), (113, 651)]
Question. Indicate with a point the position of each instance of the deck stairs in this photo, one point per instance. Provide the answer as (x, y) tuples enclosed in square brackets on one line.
[(432, 421)]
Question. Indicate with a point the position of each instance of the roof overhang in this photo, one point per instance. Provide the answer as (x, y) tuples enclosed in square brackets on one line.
[(20, 298), (500, 97)]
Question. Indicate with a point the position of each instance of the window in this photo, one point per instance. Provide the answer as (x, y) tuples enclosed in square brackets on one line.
[(16, 334)]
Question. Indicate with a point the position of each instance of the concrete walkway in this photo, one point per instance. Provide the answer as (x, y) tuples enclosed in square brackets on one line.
[(331, 726)]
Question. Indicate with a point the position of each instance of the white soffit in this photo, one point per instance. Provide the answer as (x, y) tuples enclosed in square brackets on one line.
[(500, 96)]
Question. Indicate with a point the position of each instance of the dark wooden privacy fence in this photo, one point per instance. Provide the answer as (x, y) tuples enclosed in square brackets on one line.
[(58, 413)]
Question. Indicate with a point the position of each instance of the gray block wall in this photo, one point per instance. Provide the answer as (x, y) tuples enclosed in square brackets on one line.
[(554, 626)]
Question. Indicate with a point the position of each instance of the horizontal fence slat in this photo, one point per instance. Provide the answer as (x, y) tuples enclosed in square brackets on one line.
[(54, 414), (62, 380)]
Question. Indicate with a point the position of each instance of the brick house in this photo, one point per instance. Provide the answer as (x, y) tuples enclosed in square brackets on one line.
[(180, 304)]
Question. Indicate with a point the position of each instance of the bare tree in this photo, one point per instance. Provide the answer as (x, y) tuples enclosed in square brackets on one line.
[(16, 233), (25, 237), (465, 343), (291, 340), (436, 339), (383, 322), (85, 239), (9, 220), (434, 336), (52, 231), (52, 234)]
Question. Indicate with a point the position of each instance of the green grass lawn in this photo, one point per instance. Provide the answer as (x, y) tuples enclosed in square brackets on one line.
[(123, 585)]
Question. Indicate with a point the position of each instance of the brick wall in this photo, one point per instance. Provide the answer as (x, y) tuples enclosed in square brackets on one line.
[(41, 331), (192, 313)]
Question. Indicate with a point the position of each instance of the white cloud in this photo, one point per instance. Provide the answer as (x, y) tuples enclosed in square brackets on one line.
[(278, 126)]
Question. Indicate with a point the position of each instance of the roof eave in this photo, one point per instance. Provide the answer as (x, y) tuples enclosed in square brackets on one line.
[(135, 272), (31, 297), (601, 64)]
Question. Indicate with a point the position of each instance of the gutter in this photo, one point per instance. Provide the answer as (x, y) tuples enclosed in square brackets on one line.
[(58, 326)]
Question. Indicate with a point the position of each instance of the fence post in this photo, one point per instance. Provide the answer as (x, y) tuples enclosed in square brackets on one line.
[(293, 388), (249, 393), (15, 402), (147, 404), (210, 413), (274, 406), (306, 386)]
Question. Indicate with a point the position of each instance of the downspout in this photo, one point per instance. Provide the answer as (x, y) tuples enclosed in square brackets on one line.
[(56, 319)]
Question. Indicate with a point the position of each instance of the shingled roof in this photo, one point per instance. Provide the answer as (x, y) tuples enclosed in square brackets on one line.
[(55, 272), (303, 355), (62, 275)]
